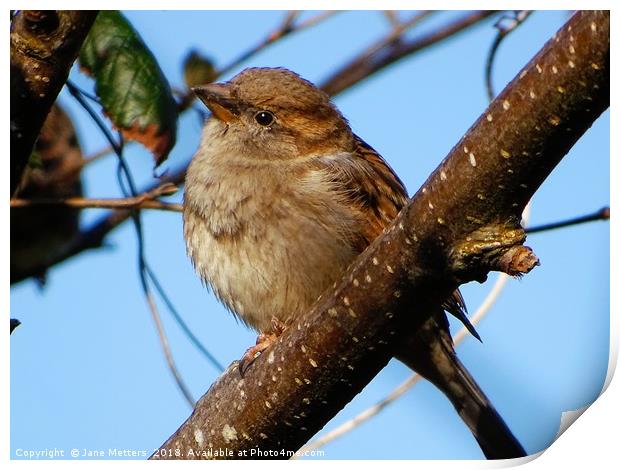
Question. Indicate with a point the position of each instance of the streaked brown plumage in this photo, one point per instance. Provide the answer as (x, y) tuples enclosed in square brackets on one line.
[(281, 197)]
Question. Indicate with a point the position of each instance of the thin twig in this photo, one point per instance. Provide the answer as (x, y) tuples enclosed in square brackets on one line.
[(123, 170), (77, 93), (95, 234), (278, 33), (515, 21), (366, 64), (92, 203), (396, 32), (145, 200), (97, 155), (314, 20), (392, 17), (601, 214), (186, 329), (165, 346), (286, 27)]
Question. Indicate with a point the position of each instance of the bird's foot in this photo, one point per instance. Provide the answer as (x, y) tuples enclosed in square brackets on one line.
[(263, 341)]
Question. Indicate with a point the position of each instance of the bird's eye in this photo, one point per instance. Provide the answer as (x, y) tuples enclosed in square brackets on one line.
[(264, 118)]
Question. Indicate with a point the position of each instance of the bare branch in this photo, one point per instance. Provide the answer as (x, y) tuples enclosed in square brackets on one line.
[(392, 17), (165, 346), (287, 27), (91, 203), (44, 45), (396, 32), (128, 186), (503, 30), (143, 201), (370, 61), (464, 222), (102, 152), (601, 214), (94, 236), (184, 327)]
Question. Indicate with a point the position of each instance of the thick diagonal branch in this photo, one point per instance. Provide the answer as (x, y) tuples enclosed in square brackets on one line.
[(462, 223), (44, 45)]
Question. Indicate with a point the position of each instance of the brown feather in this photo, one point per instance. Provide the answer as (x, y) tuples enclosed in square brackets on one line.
[(373, 188)]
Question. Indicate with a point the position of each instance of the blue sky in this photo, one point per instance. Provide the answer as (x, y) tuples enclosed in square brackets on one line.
[(86, 368)]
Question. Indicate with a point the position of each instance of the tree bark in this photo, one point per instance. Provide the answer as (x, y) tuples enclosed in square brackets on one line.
[(463, 223), (44, 45)]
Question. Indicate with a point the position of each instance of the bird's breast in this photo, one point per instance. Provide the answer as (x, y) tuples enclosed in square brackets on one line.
[(265, 244)]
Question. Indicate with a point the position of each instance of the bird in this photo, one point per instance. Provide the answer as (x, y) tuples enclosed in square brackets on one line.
[(280, 197)]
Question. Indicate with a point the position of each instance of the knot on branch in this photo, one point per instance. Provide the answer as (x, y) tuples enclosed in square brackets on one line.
[(41, 22), (517, 261), (492, 248)]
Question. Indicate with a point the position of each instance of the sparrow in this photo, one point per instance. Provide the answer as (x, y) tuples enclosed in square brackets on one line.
[(280, 197)]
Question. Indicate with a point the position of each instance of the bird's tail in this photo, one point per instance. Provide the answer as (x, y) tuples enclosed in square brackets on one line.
[(431, 353)]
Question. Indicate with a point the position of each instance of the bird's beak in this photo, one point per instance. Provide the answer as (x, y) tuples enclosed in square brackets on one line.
[(218, 99)]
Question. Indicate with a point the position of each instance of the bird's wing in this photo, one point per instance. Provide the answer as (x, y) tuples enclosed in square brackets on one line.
[(373, 188), (368, 183)]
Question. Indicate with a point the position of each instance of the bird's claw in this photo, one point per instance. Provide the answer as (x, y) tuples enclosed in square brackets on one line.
[(263, 341)]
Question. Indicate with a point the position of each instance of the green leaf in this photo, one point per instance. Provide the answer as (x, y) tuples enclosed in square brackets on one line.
[(134, 92)]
